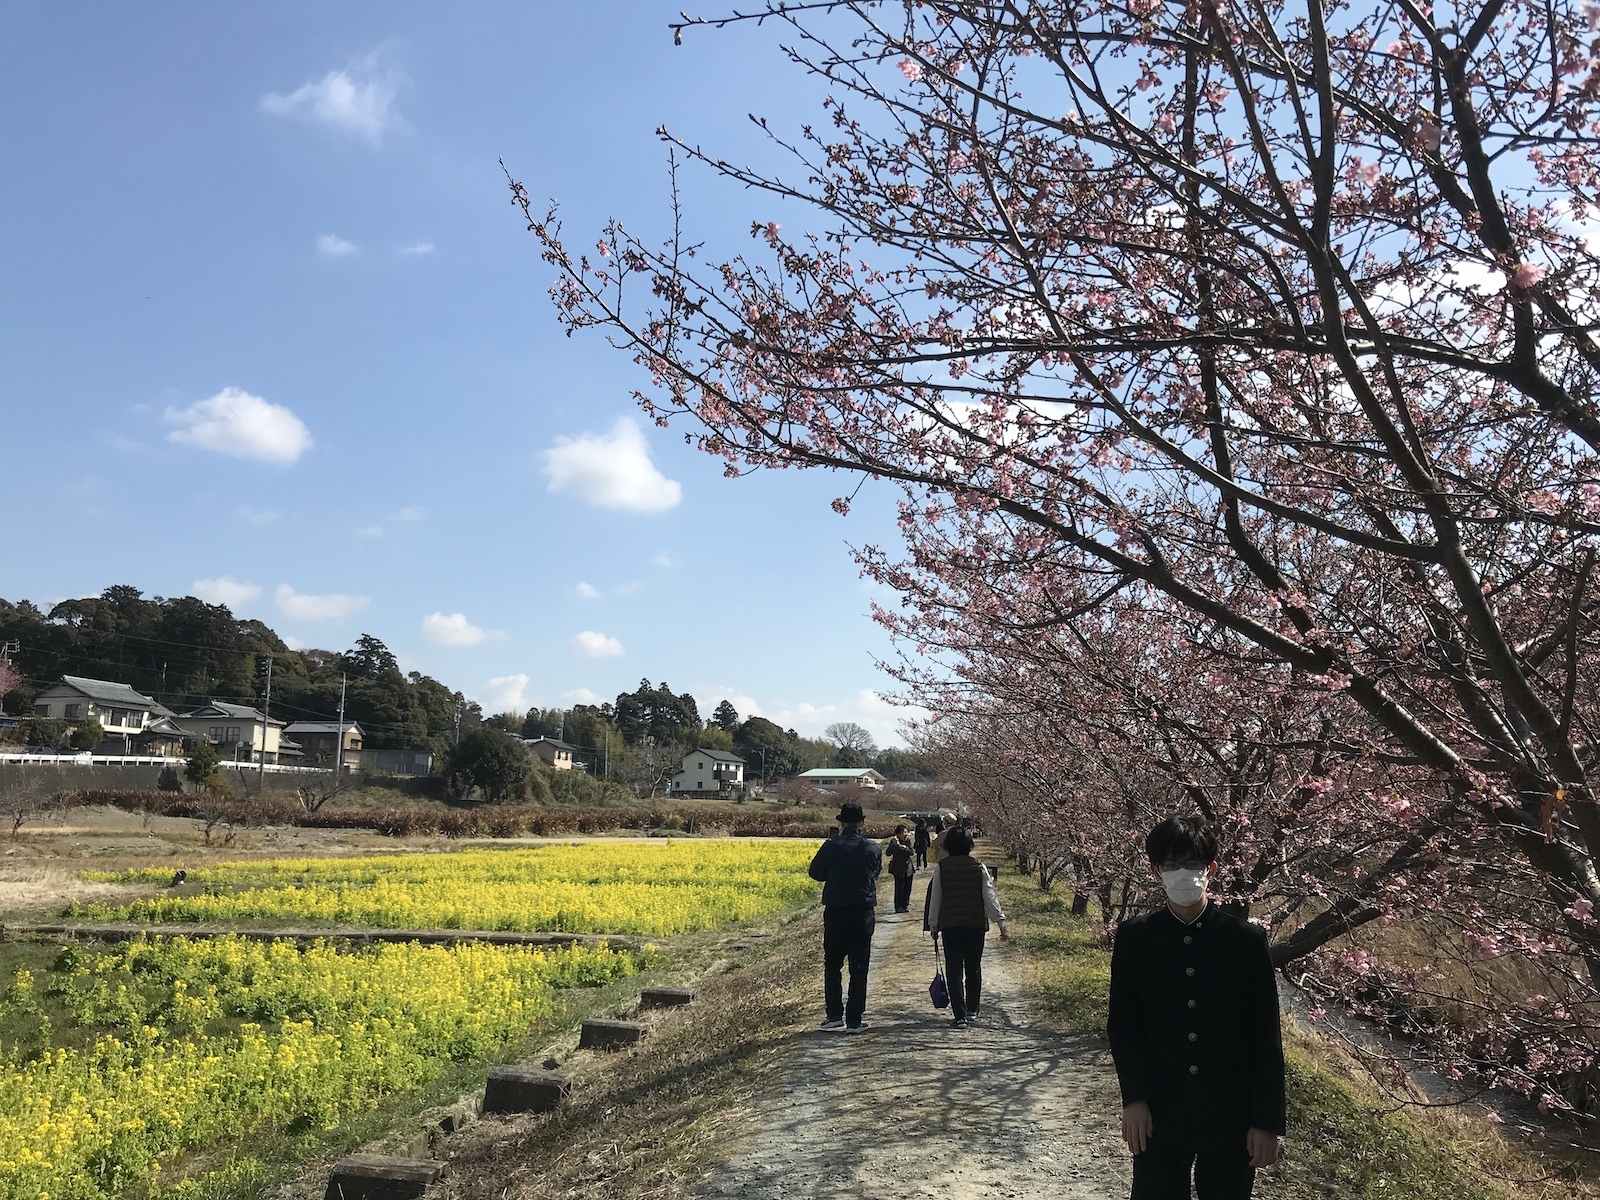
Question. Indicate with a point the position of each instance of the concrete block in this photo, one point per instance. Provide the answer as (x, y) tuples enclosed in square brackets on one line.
[(524, 1089), (374, 1177), (609, 1035), (457, 1117), (664, 997)]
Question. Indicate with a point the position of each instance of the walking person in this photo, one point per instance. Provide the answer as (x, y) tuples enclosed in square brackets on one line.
[(847, 866), (936, 851), (1195, 1032), (900, 853), (920, 840), (961, 902)]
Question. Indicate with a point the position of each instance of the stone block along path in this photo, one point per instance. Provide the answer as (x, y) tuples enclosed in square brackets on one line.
[(1009, 1109)]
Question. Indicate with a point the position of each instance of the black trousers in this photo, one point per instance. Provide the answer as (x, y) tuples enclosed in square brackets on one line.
[(1162, 1173), (902, 891), (846, 935), (963, 970), (922, 856)]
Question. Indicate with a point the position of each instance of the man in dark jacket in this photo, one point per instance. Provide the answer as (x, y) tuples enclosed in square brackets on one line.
[(1195, 1032), (847, 866)]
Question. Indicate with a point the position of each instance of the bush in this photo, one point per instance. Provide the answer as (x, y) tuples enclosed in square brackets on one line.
[(168, 780), (87, 736)]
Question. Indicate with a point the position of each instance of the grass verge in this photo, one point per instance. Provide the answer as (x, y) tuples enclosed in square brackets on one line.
[(1345, 1140)]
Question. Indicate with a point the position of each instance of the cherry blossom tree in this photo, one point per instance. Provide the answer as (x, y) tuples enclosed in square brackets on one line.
[(1272, 322)]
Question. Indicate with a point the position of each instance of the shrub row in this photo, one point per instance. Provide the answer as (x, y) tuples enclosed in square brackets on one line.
[(493, 821)]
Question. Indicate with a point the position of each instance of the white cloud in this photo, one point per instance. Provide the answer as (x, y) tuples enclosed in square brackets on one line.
[(611, 470), (709, 697), (867, 709), (410, 513), (368, 531), (452, 630), (224, 591), (317, 608), (331, 245), (586, 590), (295, 643), (581, 696), (664, 559), (597, 645), (356, 101), (505, 693), (257, 516), (235, 422), (416, 249)]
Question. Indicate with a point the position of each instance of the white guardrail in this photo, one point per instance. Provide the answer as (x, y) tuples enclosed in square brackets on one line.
[(128, 760)]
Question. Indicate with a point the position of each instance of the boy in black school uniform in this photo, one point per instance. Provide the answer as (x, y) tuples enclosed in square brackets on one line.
[(1195, 1032)]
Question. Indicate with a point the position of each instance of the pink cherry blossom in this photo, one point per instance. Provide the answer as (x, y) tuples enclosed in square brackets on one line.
[(910, 68), (1526, 275)]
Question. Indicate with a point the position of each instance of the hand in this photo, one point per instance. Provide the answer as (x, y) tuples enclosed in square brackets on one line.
[(1136, 1127), (1261, 1146), (1004, 936)]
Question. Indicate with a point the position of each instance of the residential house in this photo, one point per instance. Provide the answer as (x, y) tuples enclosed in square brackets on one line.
[(552, 752), (709, 773), (122, 712), (161, 738), (239, 732), (319, 742), (841, 779), (395, 762)]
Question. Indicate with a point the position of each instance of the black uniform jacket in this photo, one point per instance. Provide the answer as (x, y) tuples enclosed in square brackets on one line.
[(1194, 1027)]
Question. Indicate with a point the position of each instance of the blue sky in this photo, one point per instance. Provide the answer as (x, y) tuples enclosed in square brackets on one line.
[(272, 333)]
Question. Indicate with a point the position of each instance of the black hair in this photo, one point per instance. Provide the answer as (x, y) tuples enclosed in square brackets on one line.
[(958, 841), (1179, 838), (900, 828)]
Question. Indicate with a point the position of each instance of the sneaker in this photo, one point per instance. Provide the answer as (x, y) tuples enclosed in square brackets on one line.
[(958, 1023), (861, 1028), (972, 1015), (831, 1025)]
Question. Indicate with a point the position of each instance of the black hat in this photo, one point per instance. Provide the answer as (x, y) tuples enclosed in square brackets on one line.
[(851, 811)]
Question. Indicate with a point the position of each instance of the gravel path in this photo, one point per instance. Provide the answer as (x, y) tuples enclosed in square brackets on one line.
[(1006, 1110)]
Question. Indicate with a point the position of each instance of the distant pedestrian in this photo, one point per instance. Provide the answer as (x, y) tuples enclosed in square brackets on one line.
[(1195, 1032), (847, 866), (902, 866), (961, 902), (920, 840), (947, 822)]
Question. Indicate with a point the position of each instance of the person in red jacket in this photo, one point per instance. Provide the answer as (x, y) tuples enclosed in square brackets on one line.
[(1195, 1032)]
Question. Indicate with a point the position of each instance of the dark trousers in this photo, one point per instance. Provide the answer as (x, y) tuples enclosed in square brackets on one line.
[(846, 934), (1162, 1173), (963, 970), (922, 856), (902, 891)]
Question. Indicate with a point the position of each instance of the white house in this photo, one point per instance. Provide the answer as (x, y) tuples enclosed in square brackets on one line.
[(836, 779), (236, 730), (122, 712), (709, 773)]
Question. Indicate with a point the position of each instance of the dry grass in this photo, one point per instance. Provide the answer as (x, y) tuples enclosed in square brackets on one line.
[(647, 1124)]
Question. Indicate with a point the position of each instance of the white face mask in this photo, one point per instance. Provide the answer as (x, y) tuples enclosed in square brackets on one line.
[(1184, 886)]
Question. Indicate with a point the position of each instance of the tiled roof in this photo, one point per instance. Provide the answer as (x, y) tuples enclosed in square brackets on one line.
[(107, 692)]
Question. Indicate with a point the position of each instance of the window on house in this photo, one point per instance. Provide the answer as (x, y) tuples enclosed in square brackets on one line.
[(215, 733), (233, 733), (41, 710), (72, 712)]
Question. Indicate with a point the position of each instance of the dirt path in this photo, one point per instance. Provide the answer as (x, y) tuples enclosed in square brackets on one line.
[(1008, 1109)]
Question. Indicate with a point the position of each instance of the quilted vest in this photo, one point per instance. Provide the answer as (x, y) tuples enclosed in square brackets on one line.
[(961, 893)]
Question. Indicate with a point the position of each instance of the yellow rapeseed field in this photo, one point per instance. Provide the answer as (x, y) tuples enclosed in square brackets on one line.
[(207, 1039), (194, 1042), (653, 889)]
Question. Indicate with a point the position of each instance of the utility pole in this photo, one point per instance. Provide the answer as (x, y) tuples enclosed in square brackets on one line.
[(458, 722), (266, 716), (338, 751)]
